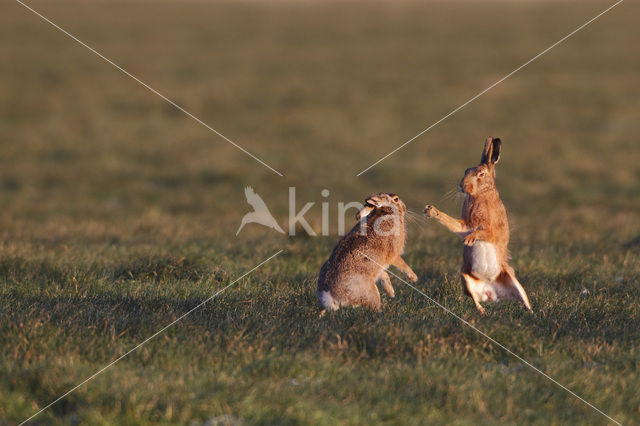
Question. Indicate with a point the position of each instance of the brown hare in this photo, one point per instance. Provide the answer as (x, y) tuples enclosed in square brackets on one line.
[(486, 274), (349, 277)]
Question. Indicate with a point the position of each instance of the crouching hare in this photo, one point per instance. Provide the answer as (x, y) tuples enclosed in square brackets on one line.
[(349, 277), (486, 274)]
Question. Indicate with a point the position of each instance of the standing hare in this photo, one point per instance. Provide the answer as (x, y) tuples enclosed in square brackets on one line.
[(349, 277), (486, 274)]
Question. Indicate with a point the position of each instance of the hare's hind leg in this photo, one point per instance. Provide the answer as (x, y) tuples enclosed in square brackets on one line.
[(474, 289), (369, 296), (372, 298), (386, 284), (515, 290), (361, 290)]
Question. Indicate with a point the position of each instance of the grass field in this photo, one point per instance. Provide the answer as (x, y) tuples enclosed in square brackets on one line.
[(118, 213)]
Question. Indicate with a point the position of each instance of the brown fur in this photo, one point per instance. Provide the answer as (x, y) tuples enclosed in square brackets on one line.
[(349, 276), (484, 220)]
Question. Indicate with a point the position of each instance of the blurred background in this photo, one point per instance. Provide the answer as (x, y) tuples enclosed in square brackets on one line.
[(318, 90)]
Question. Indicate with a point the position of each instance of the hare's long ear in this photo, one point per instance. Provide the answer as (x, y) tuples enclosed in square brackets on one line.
[(495, 153), (487, 152), (491, 153)]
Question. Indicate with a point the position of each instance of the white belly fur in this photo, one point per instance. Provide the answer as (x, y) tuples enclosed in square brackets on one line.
[(484, 260)]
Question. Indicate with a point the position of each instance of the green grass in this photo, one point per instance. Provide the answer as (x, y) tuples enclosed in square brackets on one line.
[(119, 213)]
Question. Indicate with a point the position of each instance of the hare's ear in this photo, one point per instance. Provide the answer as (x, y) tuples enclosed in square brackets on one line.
[(364, 212), (495, 153), (491, 152), (486, 153)]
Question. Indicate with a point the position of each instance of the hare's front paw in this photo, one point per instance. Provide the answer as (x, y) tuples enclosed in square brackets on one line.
[(470, 239), (430, 211), (411, 276)]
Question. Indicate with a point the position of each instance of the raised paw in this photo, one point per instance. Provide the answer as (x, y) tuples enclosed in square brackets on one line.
[(390, 291), (430, 211), (470, 239), (411, 276)]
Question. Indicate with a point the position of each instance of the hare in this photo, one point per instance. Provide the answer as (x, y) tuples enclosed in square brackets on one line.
[(486, 274), (361, 257)]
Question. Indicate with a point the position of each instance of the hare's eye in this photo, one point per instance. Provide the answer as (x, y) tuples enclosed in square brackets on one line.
[(395, 199), (481, 174)]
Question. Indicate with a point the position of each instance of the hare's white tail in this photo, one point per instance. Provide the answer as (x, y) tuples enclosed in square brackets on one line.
[(327, 302), (504, 287)]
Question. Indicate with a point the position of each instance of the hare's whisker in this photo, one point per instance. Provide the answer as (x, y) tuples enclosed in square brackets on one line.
[(410, 218), (450, 194)]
